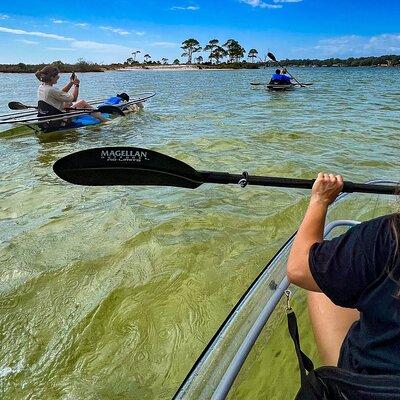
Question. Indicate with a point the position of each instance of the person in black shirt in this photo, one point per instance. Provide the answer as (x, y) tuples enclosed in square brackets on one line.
[(353, 284)]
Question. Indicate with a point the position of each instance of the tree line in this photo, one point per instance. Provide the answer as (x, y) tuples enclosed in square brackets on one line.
[(232, 50), (228, 55), (385, 60)]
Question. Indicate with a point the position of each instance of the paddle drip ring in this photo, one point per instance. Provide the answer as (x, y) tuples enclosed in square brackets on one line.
[(245, 180)]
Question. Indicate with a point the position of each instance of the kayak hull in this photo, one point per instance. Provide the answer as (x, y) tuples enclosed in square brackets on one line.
[(280, 88)]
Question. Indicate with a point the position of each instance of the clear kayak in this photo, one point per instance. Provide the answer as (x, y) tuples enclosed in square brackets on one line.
[(246, 359), (74, 118)]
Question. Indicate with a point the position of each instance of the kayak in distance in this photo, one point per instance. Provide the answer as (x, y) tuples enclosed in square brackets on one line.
[(279, 87), (43, 119)]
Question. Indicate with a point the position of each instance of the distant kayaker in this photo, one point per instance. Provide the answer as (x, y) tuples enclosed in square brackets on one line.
[(279, 79), (353, 283), (61, 99)]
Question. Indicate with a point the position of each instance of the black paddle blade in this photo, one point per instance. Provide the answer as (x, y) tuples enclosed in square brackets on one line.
[(16, 105), (110, 166), (110, 110), (271, 56)]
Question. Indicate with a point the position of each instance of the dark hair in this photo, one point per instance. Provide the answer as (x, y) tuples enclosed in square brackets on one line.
[(123, 96), (47, 73), (394, 264), (278, 71), (395, 225)]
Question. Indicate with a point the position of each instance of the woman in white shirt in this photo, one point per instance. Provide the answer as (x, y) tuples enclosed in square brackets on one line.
[(61, 99)]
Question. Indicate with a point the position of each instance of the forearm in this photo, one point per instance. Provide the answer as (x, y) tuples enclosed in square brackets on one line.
[(312, 228), (311, 231), (76, 92), (67, 87)]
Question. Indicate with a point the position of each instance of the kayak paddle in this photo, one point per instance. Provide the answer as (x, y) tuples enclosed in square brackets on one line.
[(263, 84), (110, 166), (16, 105), (273, 58)]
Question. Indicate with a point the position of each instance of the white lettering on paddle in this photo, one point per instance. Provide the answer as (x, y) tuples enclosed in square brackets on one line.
[(124, 155)]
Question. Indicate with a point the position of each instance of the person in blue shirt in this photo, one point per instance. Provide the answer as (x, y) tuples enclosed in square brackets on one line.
[(279, 78), (354, 285), (116, 100), (122, 98)]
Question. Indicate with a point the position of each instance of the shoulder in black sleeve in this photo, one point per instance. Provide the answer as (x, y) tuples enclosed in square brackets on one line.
[(346, 265)]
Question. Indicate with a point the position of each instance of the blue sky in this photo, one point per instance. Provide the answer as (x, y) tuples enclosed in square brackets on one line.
[(107, 31)]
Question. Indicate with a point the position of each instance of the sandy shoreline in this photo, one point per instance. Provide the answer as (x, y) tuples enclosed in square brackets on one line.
[(171, 68)]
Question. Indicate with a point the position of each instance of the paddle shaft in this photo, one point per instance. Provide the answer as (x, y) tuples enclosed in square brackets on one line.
[(55, 117), (273, 58), (348, 187)]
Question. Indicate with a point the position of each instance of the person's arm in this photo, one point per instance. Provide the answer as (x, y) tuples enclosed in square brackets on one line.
[(67, 87), (325, 190), (76, 89), (73, 82)]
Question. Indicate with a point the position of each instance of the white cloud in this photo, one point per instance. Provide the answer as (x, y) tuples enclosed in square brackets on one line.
[(74, 44), (119, 31), (165, 44), (4, 16), (359, 46), (63, 21), (261, 4), (38, 34), (140, 33), (27, 41), (97, 46), (60, 48), (188, 8)]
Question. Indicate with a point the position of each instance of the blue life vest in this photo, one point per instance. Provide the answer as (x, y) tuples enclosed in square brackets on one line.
[(281, 78), (113, 101), (277, 77)]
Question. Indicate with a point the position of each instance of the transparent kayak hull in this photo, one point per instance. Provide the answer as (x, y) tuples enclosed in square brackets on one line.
[(218, 367)]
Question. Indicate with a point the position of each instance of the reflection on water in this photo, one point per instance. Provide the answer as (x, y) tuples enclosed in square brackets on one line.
[(112, 292)]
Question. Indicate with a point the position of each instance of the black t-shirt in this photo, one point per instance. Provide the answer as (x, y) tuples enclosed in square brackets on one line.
[(352, 270)]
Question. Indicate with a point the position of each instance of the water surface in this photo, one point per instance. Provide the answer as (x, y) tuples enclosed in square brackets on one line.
[(113, 292)]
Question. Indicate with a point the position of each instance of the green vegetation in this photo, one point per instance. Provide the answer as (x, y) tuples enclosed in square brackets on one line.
[(189, 47), (80, 66), (230, 55), (386, 60)]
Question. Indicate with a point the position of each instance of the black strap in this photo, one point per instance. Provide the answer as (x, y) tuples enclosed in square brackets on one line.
[(311, 387)]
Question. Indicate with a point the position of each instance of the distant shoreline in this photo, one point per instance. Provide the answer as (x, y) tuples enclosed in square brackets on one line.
[(389, 61), (191, 68), (175, 68)]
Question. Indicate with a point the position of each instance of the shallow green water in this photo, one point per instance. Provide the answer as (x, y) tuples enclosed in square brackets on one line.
[(112, 293)]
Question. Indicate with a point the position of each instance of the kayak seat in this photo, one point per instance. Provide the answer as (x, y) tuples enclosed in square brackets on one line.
[(47, 110), (332, 383)]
